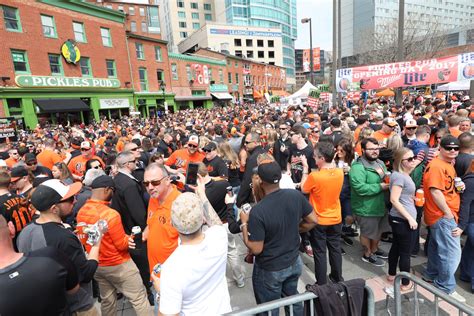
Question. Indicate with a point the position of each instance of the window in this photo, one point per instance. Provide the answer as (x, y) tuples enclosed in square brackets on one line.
[(237, 42), (158, 55), (139, 50), (261, 54), (236, 78), (248, 42), (143, 79), (189, 75), (79, 33), (271, 54), (11, 19), (238, 53), (194, 5), (207, 6), (144, 27), (250, 54), (49, 29), (195, 16), (221, 76), (196, 26), (259, 43), (131, 10), (111, 70), (182, 14), (183, 34), (271, 43), (120, 8), (105, 34), (174, 71), (133, 26), (20, 61), (160, 75), (229, 77), (210, 76), (180, 4), (208, 17), (85, 64), (55, 64), (142, 11), (182, 24), (236, 64)]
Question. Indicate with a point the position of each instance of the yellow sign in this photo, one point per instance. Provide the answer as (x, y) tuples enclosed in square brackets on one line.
[(70, 52)]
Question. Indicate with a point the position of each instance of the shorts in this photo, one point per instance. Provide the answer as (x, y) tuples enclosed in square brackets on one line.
[(372, 227)]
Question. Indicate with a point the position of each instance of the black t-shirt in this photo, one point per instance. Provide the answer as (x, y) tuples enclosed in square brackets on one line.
[(215, 192), (296, 167), (15, 209), (37, 284), (216, 167), (41, 170), (463, 163), (275, 220)]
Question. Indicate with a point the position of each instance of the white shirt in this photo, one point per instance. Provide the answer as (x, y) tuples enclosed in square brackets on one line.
[(193, 278)]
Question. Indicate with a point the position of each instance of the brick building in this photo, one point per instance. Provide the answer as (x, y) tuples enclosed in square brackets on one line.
[(39, 84)]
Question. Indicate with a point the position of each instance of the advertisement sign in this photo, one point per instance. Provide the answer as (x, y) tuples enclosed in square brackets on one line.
[(243, 33), (407, 74), (70, 82), (70, 52), (8, 129), (307, 59), (312, 102), (353, 95), (200, 74), (114, 103)]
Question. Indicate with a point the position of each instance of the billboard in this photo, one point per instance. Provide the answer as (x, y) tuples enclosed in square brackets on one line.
[(407, 73), (200, 74), (307, 59)]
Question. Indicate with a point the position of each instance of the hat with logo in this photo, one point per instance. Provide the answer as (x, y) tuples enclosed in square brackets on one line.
[(103, 181), (411, 123), (466, 98), (269, 172), (187, 213), (17, 173), (85, 145), (30, 157), (449, 140), (210, 147), (193, 139), (52, 192), (390, 122)]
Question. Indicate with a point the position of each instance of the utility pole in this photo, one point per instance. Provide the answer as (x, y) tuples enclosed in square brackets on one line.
[(311, 65), (401, 48), (334, 51), (339, 46)]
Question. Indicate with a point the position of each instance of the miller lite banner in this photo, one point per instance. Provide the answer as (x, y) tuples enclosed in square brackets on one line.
[(407, 74)]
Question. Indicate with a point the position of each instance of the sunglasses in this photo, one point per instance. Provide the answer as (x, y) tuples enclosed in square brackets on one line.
[(315, 131), (192, 146), (96, 167), (451, 148), (134, 149), (411, 128), (409, 159), (154, 183), (206, 150), (85, 149), (283, 128), (31, 163), (248, 142)]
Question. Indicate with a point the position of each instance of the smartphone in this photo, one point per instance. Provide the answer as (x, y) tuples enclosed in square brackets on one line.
[(229, 191), (191, 173)]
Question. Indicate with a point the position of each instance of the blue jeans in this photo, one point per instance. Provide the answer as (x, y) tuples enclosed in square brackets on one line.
[(273, 285), (467, 258), (444, 255)]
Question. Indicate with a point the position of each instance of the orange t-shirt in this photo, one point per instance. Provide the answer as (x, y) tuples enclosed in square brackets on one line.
[(162, 236), (381, 136), (11, 162), (77, 165), (114, 246), (356, 133), (181, 158), (324, 187), (455, 132), (101, 142), (440, 174), (48, 158)]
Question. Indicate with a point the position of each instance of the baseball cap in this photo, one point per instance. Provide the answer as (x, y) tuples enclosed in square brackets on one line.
[(449, 140), (52, 192), (85, 145), (193, 139), (29, 157), (103, 181), (411, 123), (187, 213), (378, 115), (211, 146), (335, 122), (269, 172), (17, 173), (390, 122), (466, 98)]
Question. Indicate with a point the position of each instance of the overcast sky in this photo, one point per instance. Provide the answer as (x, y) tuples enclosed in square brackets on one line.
[(320, 12)]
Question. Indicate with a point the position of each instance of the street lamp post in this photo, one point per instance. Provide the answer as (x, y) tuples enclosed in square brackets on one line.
[(306, 20), (163, 87)]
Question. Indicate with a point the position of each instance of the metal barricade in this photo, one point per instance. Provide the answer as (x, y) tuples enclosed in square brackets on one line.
[(288, 302), (438, 295)]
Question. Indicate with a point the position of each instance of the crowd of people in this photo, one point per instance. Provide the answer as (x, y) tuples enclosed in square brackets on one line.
[(106, 211)]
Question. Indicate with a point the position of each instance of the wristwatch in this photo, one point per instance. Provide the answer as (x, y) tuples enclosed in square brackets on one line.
[(242, 226)]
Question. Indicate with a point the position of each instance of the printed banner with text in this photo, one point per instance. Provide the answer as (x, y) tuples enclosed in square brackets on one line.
[(307, 59), (407, 74)]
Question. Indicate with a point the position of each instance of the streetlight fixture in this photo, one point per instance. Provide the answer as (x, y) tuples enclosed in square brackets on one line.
[(306, 20), (163, 87)]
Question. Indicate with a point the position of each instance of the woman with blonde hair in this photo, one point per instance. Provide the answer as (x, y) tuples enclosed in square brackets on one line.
[(402, 215), (225, 151), (60, 171)]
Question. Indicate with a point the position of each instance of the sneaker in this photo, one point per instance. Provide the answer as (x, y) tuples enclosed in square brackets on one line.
[(381, 254), (458, 297), (373, 260), (308, 250), (426, 279), (349, 231), (240, 283), (343, 252), (347, 240), (330, 278)]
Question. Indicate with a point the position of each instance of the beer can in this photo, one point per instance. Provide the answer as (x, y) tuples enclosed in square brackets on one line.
[(387, 177), (458, 184), (419, 198)]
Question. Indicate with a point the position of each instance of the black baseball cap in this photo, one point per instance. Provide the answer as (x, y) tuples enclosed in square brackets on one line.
[(52, 192), (103, 182), (17, 173), (449, 140), (211, 146), (269, 172), (29, 157)]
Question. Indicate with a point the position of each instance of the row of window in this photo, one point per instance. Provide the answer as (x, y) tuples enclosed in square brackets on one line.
[(140, 51), (143, 77), (260, 54), (21, 65), (190, 75), (131, 9), (195, 16), (11, 18), (194, 5), (249, 42), (196, 25)]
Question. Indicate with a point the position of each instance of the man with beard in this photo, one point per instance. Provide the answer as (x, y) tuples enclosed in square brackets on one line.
[(367, 200), (281, 148), (54, 201), (180, 159), (299, 147)]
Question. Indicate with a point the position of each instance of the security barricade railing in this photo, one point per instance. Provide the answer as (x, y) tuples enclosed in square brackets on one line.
[(438, 295), (288, 302)]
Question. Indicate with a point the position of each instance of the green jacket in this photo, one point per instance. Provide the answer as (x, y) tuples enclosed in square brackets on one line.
[(367, 196)]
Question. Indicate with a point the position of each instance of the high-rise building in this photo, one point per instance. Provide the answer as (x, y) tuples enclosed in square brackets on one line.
[(267, 13), (374, 18)]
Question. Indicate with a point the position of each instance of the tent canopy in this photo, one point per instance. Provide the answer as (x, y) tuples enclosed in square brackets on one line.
[(455, 86), (303, 92), (385, 93)]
